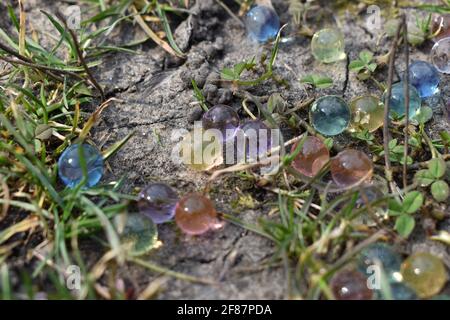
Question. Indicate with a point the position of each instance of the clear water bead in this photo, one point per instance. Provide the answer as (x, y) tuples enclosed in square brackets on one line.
[(330, 115), (425, 78), (397, 101), (262, 23), (70, 169), (222, 118), (327, 45), (195, 214), (157, 201), (440, 55)]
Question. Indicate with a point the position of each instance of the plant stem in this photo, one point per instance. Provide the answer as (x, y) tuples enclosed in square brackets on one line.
[(406, 94)]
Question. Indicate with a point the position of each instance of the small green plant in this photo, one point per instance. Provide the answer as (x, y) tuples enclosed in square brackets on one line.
[(433, 176), (365, 66), (396, 152), (317, 81), (404, 222)]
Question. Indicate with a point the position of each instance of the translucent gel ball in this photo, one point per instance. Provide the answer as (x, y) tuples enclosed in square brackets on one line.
[(195, 214), (328, 46), (330, 115), (367, 113), (382, 254), (350, 285), (425, 273), (442, 24), (397, 101), (399, 291), (312, 157), (69, 166), (157, 201), (222, 118), (425, 78), (440, 55), (199, 152), (262, 23), (351, 167)]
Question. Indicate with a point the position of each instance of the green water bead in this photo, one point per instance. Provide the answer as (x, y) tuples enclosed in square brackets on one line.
[(328, 46), (397, 101), (425, 273), (367, 113)]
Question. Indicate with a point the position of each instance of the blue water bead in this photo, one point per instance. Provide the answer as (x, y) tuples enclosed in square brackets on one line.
[(399, 291), (379, 253), (262, 23), (330, 115), (397, 101), (69, 165), (158, 201), (424, 77)]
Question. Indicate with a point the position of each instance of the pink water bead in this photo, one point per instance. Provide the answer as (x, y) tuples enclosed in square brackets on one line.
[(312, 157), (351, 167)]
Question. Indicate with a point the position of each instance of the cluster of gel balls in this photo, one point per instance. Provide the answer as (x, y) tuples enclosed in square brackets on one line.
[(422, 274), (379, 273)]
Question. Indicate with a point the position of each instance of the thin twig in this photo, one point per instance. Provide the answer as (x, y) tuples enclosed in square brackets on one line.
[(386, 136), (80, 57), (47, 70), (406, 93)]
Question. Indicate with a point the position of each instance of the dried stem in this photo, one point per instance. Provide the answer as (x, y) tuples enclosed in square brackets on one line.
[(386, 136), (81, 58), (406, 93)]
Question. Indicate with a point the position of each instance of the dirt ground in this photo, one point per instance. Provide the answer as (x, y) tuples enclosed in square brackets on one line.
[(155, 97)]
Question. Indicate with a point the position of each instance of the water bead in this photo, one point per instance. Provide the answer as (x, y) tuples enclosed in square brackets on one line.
[(222, 118), (199, 152), (195, 214), (328, 45), (139, 233), (330, 115), (350, 285), (425, 273), (262, 23), (367, 113), (70, 169), (441, 23), (425, 78), (312, 157), (400, 291), (380, 253), (440, 55), (157, 201), (351, 167), (397, 100)]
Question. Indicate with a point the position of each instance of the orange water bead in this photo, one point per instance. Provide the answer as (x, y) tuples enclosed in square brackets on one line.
[(351, 167), (195, 214)]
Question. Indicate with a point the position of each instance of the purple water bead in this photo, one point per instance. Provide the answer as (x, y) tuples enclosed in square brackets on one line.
[(222, 118), (157, 201)]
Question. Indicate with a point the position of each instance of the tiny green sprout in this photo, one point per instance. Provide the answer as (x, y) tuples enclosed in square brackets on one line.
[(404, 222), (433, 176), (234, 74), (365, 66), (423, 115), (199, 95), (396, 152), (317, 81)]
